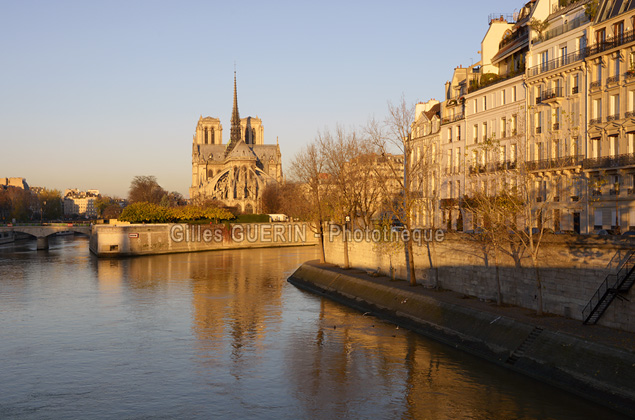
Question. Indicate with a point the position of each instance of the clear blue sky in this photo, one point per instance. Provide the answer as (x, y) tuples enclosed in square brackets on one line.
[(93, 93)]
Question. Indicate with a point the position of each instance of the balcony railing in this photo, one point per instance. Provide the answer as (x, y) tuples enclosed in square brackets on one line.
[(448, 120), (613, 117), (449, 202), (550, 94), (629, 114), (574, 90), (596, 192), (612, 79), (556, 126), (554, 163), (595, 120), (559, 30), (616, 41), (595, 85), (538, 130), (476, 84), (627, 159), (556, 63), (502, 17), (629, 75)]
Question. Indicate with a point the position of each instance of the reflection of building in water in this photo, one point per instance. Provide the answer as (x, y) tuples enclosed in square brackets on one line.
[(110, 273), (236, 294)]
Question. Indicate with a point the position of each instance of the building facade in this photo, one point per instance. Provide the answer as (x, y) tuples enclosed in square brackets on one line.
[(235, 173), (551, 101), (609, 163), (80, 203)]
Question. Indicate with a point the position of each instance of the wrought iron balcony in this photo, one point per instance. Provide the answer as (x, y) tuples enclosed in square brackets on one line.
[(555, 163), (449, 202), (613, 117), (575, 90), (616, 41), (596, 192), (448, 120), (556, 63), (556, 126), (575, 198), (630, 74), (538, 130), (550, 95), (595, 85), (595, 120), (612, 79), (614, 191), (627, 159), (629, 114)]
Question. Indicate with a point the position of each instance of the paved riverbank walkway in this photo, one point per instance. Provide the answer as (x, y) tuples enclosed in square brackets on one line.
[(593, 333)]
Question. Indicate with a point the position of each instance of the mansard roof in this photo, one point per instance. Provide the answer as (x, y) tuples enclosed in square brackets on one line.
[(611, 8)]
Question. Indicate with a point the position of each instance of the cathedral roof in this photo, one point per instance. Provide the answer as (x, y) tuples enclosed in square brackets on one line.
[(241, 152)]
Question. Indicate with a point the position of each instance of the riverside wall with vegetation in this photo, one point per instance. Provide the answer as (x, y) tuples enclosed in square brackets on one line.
[(149, 239), (595, 371), (571, 269)]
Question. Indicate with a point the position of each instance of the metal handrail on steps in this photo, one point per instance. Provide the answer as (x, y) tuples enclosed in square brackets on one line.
[(607, 290)]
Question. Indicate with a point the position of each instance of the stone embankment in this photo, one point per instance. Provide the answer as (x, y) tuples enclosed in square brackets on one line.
[(596, 362), (140, 239), (571, 269)]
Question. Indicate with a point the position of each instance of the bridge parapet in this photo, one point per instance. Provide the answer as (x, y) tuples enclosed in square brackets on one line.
[(42, 232)]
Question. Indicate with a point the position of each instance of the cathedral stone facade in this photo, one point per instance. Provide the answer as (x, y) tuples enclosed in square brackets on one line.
[(235, 173)]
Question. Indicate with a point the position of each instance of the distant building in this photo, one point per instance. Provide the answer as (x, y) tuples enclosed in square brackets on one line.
[(80, 203), (14, 182), (235, 173)]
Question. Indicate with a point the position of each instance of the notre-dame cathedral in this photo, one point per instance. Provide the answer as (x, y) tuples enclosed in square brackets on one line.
[(235, 173)]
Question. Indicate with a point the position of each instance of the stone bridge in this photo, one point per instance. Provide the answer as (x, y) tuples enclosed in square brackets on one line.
[(42, 232)]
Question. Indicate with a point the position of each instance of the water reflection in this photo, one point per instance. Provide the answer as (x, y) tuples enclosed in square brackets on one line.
[(222, 334)]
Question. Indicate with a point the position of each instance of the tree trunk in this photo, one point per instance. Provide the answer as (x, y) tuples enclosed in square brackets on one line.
[(539, 287), (410, 263), (321, 243), (499, 295), (347, 263)]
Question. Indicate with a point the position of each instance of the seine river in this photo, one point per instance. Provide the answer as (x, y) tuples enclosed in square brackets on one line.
[(223, 335)]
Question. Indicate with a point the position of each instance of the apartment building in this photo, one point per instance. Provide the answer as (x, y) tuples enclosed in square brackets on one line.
[(425, 167), (556, 92), (609, 163)]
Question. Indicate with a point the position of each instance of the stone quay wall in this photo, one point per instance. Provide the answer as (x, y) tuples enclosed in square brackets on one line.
[(571, 270), (150, 239)]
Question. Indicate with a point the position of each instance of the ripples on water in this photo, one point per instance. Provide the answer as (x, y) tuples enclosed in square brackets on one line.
[(223, 335)]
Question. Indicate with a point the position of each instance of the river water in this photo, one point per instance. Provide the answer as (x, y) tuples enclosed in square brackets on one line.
[(224, 335)]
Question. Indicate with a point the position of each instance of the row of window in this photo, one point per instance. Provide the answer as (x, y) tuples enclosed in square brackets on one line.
[(507, 127), (500, 98)]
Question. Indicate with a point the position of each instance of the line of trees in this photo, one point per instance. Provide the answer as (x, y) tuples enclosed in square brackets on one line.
[(348, 173), (150, 203), (24, 205)]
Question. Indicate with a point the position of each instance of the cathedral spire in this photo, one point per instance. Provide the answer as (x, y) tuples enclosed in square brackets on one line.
[(234, 134)]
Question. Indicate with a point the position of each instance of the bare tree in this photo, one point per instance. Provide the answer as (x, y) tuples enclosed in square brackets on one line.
[(308, 167), (145, 188), (395, 135)]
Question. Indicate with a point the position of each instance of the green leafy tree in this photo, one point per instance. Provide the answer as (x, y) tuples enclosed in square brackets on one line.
[(51, 204)]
